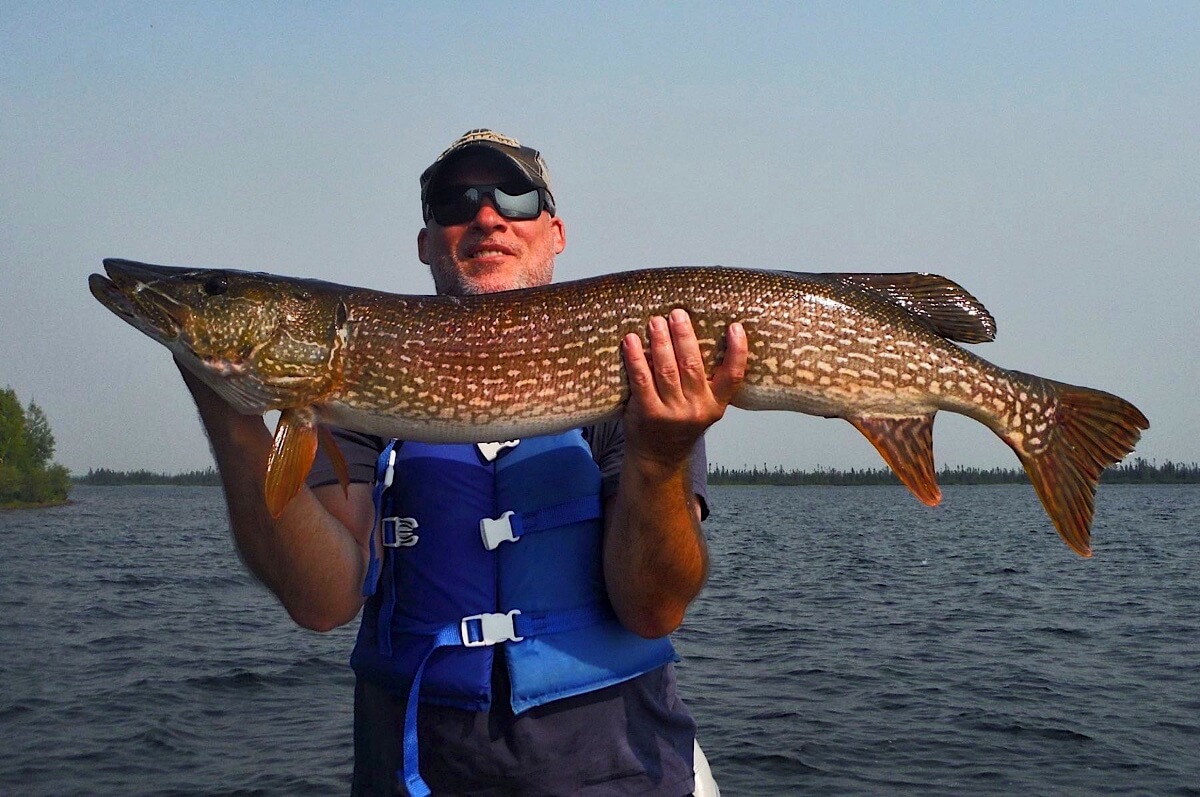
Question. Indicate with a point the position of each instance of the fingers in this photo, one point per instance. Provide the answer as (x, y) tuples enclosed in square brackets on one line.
[(654, 373), (672, 401), (729, 375), (199, 390), (637, 367), (662, 361), (671, 371), (675, 358), (214, 410), (689, 364)]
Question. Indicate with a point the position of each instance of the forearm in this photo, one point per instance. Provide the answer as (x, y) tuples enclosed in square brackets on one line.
[(655, 557), (307, 557)]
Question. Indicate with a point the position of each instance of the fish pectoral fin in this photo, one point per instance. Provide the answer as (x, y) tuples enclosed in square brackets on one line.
[(340, 468), (906, 444), (291, 458)]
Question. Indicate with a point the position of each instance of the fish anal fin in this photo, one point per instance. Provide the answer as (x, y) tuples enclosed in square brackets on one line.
[(292, 454), (340, 468), (941, 304), (906, 444)]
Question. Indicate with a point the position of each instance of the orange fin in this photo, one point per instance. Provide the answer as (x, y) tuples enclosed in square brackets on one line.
[(906, 444), (340, 468), (291, 458), (1091, 430)]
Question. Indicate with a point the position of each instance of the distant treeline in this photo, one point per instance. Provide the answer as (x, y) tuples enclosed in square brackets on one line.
[(1139, 471), (111, 478)]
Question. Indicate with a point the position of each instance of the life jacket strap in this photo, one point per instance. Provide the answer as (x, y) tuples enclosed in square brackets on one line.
[(511, 525), (474, 631), (385, 469)]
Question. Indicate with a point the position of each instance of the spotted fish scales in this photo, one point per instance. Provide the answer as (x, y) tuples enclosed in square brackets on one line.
[(875, 349)]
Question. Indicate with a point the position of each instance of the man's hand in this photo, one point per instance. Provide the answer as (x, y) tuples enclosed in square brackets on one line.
[(216, 414), (655, 559), (672, 401), (314, 556)]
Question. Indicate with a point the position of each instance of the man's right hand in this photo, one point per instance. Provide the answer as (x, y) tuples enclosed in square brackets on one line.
[(314, 556)]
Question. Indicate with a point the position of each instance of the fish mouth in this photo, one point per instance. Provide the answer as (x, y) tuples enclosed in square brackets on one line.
[(132, 291)]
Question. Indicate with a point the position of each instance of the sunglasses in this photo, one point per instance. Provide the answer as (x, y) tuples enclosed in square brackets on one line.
[(459, 204)]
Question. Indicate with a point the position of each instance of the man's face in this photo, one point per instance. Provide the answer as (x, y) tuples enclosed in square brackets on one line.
[(489, 252)]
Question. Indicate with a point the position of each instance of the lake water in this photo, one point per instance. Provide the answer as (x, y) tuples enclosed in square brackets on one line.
[(850, 642)]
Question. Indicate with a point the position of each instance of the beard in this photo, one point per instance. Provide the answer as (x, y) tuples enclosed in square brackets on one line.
[(451, 280)]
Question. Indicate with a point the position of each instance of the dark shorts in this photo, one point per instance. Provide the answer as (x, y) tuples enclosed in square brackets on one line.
[(632, 738)]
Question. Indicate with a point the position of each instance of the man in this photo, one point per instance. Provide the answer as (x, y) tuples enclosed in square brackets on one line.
[(577, 694)]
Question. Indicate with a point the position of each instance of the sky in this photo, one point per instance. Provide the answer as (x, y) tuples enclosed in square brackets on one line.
[(1045, 156)]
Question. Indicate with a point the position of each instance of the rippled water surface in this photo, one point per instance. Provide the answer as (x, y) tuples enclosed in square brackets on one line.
[(850, 641)]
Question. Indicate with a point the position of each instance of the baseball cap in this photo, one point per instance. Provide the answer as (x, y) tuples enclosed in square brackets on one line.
[(527, 159)]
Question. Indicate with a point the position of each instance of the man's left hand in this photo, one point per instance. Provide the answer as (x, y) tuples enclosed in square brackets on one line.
[(672, 400)]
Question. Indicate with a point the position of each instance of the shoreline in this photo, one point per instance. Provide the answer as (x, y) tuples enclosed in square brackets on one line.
[(17, 505)]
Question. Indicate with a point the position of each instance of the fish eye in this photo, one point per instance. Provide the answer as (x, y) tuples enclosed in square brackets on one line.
[(216, 285)]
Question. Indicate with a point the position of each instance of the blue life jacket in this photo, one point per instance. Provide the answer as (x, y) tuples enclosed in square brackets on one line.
[(492, 543)]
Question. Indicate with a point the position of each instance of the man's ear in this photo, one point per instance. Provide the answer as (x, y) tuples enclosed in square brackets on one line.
[(422, 236), (560, 235)]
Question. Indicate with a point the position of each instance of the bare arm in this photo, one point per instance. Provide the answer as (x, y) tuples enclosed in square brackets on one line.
[(655, 558), (314, 556)]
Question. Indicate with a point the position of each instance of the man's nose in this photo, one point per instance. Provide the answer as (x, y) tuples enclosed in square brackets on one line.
[(487, 216)]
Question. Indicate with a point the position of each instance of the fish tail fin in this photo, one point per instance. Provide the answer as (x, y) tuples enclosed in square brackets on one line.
[(906, 444), (1089, 431)]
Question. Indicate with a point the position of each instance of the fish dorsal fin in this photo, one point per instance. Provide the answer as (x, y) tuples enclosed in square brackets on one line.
[(944, 305), (906, 444)]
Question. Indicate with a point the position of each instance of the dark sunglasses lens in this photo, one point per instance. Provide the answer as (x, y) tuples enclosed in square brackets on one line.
[(527, 205), (450, 210), (462, 207)]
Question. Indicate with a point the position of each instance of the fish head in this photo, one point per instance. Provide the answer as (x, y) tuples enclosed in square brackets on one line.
[(262, 342)]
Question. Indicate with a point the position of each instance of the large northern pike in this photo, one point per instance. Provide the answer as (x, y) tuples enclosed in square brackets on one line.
[(871, 348)]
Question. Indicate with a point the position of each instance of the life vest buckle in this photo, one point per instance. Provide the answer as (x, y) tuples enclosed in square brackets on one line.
[(480, 630), (398, 532), (497, 530)]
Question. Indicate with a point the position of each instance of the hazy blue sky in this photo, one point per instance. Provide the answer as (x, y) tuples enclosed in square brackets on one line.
[(1044, 155)]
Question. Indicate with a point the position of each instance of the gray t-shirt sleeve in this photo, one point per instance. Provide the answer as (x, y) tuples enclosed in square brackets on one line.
[(360, 450), (608, 449)]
